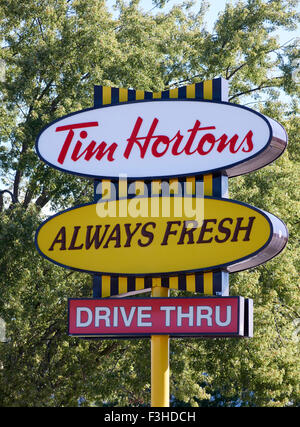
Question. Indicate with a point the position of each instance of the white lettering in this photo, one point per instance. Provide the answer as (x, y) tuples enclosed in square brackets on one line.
[(191, 416), (127, 320), (171, 416), (228, 316), (189, 315), (116, 317), (116, 417), (80, 310), (167, 314), (104, 316), (141, 316), (206, 316), (154, 415)]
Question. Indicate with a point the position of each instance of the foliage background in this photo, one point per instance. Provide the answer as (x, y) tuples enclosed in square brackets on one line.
[(52, 54)]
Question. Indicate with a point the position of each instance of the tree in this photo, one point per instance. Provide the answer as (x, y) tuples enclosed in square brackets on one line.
[(53, 53)]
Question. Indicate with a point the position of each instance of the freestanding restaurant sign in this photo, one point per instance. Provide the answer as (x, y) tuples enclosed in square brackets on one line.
[(162, 138), (145, 233)]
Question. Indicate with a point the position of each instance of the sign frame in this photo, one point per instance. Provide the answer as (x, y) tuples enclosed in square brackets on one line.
[(260, 256), (244, 317), (273, 149)]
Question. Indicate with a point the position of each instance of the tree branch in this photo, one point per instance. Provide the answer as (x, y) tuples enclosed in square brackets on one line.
[(17, 184), (28, 197), (41, 29), (261, 86), (1, 198), (10, 193), (44, 90), (42, 200), (235, 71)]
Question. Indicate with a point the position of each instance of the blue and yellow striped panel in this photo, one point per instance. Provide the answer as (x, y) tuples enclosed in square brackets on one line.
[(215, 90), (208, 283)]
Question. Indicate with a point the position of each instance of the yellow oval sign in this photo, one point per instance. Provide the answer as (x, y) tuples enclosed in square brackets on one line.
[(224, 234)]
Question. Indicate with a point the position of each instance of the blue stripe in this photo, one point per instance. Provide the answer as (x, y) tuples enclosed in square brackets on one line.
[(217, 89), (199, 91), (165, 282), (97, 286), (130, 284), (220, 185), (114, 285), (148, 95), (98, 96), (131, 94), (182, 282), (114, 95), (182, 92), (199, 283), (147, 282)]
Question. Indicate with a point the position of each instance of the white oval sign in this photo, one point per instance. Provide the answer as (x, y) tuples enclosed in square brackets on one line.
[(161, 138)]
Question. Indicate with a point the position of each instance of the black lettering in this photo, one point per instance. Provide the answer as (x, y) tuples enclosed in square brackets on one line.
[(169, 231), (247, 228), (147, 234), (188, 232), (224, 230), (129, 234), (115, 235), (204, 230), (74, 238), (96, 237), (60, 238)]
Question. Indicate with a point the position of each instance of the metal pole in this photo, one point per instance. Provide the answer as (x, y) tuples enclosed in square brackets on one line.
[(160, 373)]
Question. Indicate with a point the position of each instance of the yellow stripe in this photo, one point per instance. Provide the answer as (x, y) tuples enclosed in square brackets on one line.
[(105, 286), (208, 89), (190, 187), (173, 282), (190, 282), (123, 95), (106, 95), (174, 185), (139, 283), (122, 187), (139, 94), (208, 185), (173, 93), (122, 285), (156, 95), (106, 187), (139, 188), (156, 186), (191, 91), (156, 281), (208, 283)]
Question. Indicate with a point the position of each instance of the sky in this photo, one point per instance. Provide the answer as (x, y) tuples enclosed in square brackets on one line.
[(215, 7)]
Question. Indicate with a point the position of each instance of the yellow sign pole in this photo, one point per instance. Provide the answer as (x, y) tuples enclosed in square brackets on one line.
[(160, 372)]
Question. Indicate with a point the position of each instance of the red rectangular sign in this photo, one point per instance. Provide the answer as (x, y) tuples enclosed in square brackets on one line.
[(124, 317)]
